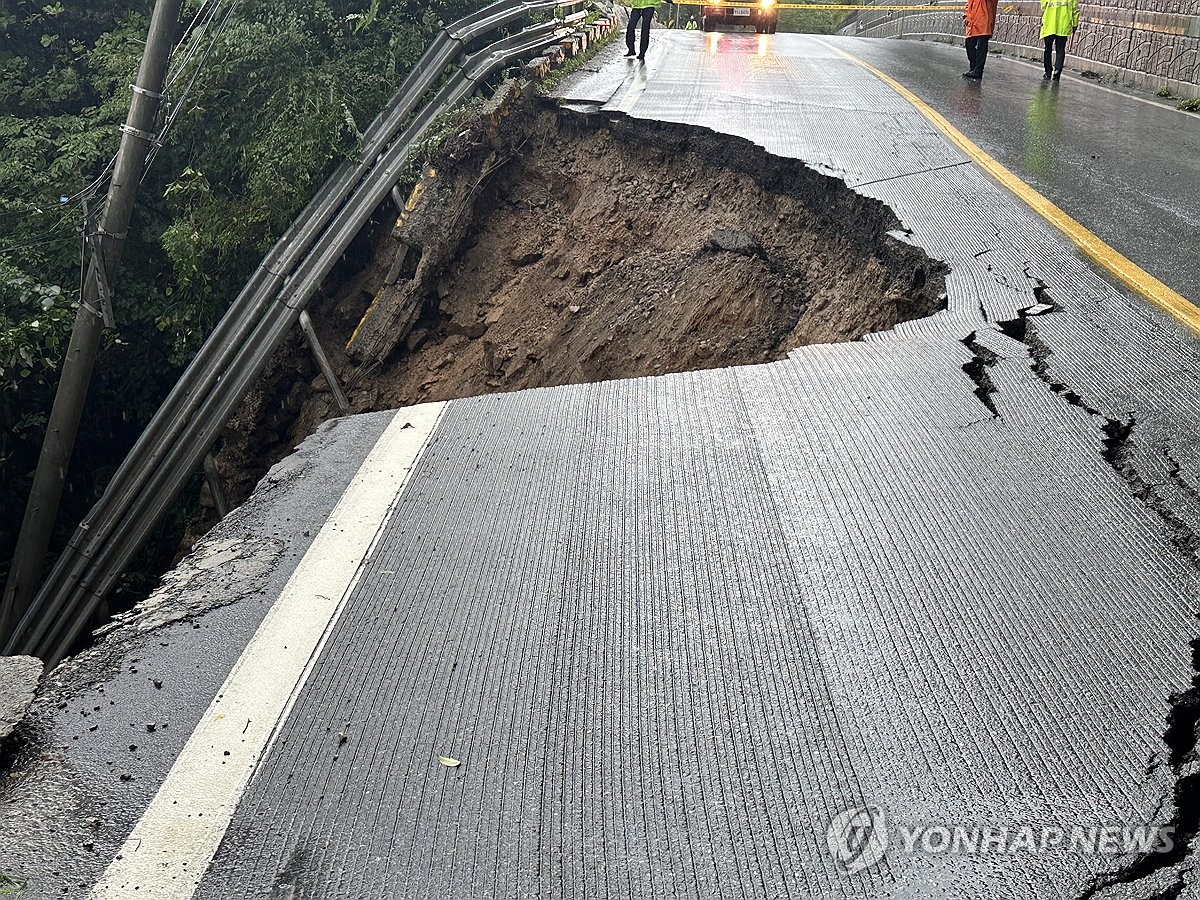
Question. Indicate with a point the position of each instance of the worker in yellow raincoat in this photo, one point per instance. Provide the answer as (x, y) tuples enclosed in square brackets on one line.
[(640, 11), (1060, 18), (979, 21)]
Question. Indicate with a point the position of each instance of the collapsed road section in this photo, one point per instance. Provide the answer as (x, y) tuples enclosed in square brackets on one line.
[(555, 247), (662, 635), (593, 247)]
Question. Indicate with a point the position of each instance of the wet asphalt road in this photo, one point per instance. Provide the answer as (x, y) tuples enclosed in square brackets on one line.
[(669, 628), (1128, 169)]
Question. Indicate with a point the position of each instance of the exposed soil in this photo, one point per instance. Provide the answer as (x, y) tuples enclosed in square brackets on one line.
[(559, 247)]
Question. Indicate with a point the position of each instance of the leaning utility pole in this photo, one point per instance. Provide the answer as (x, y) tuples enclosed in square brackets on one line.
[(95, 307)]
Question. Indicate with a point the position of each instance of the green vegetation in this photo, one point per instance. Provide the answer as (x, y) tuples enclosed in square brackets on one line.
[(814, 21), (285, 92), (10, 885), (438, 134), (574, 63), (1192, 105), (805, 21)]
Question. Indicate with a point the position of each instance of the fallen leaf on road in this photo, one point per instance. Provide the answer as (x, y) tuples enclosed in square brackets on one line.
[(448, 762)]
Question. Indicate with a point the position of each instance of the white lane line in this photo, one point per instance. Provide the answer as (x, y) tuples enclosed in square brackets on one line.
[(641, 77), (1069, 76), (635, 90), (173, 844), (950, 39)]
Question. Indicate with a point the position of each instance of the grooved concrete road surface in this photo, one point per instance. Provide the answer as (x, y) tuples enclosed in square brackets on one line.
[(647, 639)]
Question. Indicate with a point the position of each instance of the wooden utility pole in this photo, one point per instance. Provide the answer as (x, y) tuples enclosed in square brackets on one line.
[(94, 308)]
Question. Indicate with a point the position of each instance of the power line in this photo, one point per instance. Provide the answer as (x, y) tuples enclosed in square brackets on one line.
[(198, 39), (209, 10), (177, 66), (175, 105), (41, 242)]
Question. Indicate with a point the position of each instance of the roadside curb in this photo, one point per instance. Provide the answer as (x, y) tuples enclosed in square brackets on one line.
[(584, 36)]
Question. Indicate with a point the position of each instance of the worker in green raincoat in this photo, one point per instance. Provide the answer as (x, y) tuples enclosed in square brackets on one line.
[(640, 11), (1060, 18)]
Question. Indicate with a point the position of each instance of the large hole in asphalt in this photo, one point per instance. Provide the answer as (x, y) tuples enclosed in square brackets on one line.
[(558, 247), (598, 249)]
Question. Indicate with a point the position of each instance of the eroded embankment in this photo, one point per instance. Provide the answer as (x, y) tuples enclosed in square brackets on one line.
[(555, 247)]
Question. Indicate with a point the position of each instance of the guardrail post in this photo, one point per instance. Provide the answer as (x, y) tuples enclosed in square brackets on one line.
[(173, 445), (215, 486), (318, 352)]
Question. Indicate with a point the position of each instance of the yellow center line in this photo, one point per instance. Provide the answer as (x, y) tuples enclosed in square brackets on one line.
[(1127, 271)]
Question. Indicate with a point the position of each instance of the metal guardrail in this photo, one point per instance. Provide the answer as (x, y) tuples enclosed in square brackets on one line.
[(189, 420)]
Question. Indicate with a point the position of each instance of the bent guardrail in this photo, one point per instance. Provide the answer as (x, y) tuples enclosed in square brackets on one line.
[(189, 420)]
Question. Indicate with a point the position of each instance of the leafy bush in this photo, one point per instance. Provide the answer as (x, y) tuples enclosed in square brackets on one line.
[(286, 92), (813, 21)]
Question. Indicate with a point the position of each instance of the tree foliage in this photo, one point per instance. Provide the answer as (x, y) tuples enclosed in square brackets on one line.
[(284, 93), (814, 21)]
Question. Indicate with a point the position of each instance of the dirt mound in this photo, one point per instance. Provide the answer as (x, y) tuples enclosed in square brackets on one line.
[(565, 247)]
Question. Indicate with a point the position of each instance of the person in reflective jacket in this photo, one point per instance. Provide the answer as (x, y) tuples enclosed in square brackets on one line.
[(1060, 18), (640, 11), (979, 20)]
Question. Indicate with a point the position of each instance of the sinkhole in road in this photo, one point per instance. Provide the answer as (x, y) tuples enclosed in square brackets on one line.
[(586, 249), (559, 246)]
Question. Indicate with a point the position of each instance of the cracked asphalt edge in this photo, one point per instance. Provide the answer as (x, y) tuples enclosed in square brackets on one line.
[(76, 775), (1147, 876), (19, 678)]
